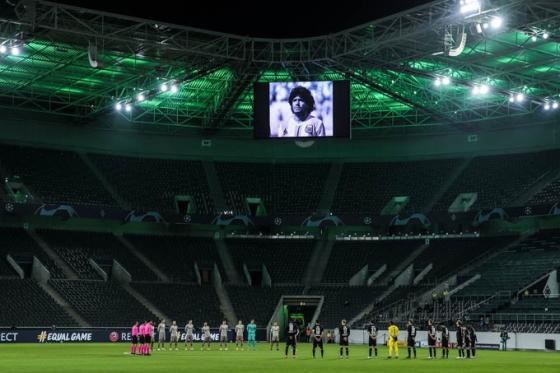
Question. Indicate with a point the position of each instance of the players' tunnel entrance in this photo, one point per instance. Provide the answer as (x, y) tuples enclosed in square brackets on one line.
[(304, 309)]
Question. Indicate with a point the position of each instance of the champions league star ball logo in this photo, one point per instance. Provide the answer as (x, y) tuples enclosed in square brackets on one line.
[(278, 220), (9, 207), (114, 337), (367, 220)]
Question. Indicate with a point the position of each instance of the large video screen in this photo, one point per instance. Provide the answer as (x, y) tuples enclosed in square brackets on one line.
[(302, 109)]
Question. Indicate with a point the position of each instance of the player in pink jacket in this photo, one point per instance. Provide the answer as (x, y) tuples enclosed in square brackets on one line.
[(134, 338)]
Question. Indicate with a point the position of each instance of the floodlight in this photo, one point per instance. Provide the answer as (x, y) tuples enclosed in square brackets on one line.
[(496, 22)]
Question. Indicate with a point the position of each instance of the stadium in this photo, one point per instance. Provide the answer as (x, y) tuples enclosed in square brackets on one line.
[(385, 196)]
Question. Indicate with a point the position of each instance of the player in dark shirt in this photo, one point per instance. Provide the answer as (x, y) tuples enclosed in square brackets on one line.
[(372, 338), (344, 334), (471, 345), (317, 335), (460, 339), (411, 338), (292, 332), (432, 338), (466, 341), (444, 341)]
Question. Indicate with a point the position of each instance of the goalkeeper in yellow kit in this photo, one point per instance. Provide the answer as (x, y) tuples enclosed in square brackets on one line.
[(393, 343)]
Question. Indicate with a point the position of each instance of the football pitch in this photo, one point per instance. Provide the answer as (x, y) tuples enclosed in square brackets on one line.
[(106, 357)]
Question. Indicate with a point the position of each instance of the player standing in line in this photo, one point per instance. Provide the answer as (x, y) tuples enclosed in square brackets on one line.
[(239, 330), (467, 341), (189, 335), (224, 328), (141, 340), (275, 336), (134, 334), (343, 334), (393, 342), (411, 338), (473, 338), (161, 335), (206, 337), (252, 335), (152, 333), (292, 333), (444, 341), (317, 333), (460, 339), (174, 331), (148, 333), (372, 338), (432, 338)]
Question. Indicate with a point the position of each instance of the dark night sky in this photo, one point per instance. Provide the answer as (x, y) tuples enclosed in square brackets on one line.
[(275, 19)]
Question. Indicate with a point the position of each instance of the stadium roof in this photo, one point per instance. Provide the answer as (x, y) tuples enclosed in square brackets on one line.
[(250, 18), (394, 64)]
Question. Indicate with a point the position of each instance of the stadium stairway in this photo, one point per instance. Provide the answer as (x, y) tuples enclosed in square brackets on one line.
[(488, 256), (122, 203), (68, 272), (227, 262), (402, 266), (426, 296), (145, 302), (317, 264), (369, 308), (147, 262), (64, 304), (448, 182), (464, 276), (457, 288), (225, 302), (539, 185), (216, 192), (329, 190)]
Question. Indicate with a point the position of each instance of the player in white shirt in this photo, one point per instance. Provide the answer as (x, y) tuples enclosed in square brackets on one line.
[(206, 337), (174, 331), (239, 330), (224, 328), (275, 336), (161, 335), (189, 335)]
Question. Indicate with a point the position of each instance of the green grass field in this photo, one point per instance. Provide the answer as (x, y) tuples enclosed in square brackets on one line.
[(62, 358)]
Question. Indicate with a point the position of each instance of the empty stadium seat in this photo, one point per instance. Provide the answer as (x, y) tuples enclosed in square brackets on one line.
[(152, 184), (55, 176), (283, 188), (24, 303)]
